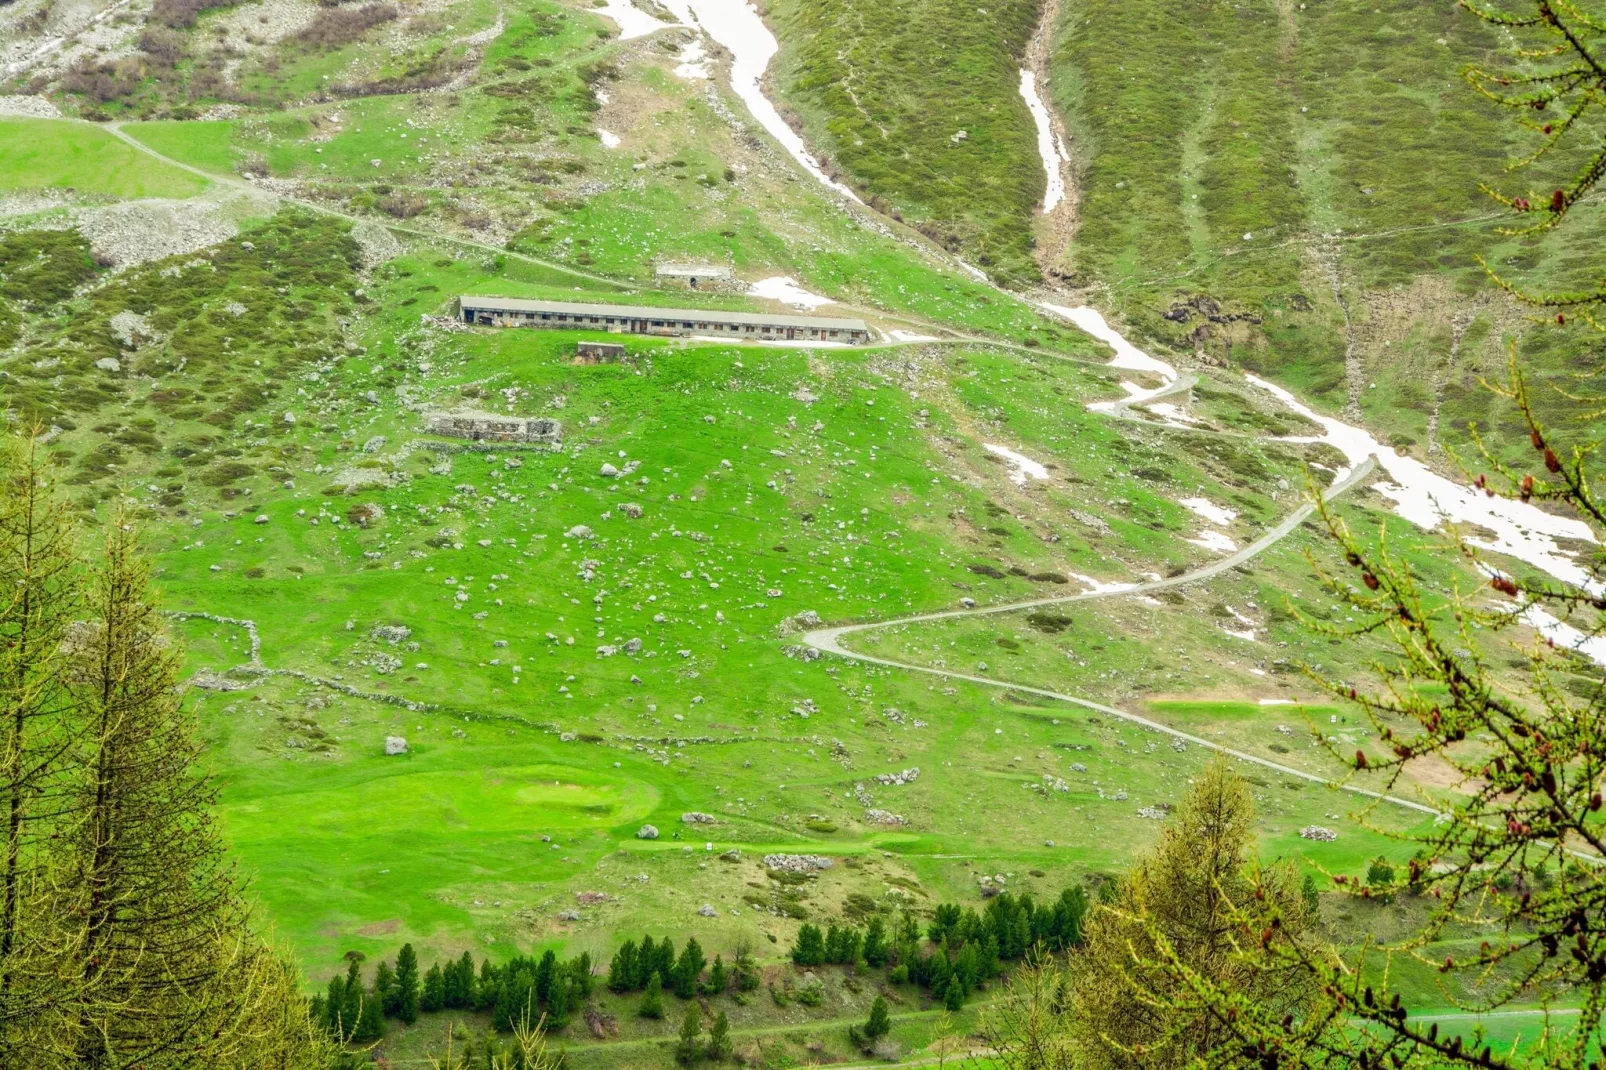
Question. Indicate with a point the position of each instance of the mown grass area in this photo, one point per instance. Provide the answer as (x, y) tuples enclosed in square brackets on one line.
[(918, 105), (206, 145), (51, 154)]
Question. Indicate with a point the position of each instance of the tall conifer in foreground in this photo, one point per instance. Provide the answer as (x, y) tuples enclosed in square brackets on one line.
[(40, 593)]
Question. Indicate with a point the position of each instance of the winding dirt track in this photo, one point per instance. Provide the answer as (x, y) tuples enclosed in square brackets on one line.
[(828, 641)]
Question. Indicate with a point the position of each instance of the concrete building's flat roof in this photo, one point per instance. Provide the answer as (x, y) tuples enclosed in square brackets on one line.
[(704, 315)]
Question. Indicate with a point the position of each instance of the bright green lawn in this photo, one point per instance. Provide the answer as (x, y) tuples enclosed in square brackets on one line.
[(44, 153)]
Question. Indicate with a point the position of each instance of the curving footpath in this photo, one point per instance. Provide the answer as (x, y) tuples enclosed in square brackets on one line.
[(829, 641)]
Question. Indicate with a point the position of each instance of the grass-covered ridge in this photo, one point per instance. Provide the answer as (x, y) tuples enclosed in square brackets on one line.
[(1312, 173), (918, 105)]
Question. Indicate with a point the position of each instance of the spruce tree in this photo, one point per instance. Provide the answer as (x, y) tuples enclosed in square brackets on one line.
[(407, 984), (351, 993), (433, 996), (720, 1046), (880, 1023), (580, 971), (545, 971), (664, 962), (334, 1008), (717, 981), (370, 1020), (875, 942), (688, 968), (652, 1001), (646, 962), (809, 948), (688, 1046), (385, 989), (622, 973), (745, 968)]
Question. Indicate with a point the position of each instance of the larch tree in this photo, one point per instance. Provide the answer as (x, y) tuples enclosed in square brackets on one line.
[(40, 596), (1182, 902), (167, 968)]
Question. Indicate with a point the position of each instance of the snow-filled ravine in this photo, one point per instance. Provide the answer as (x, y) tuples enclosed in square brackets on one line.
[(735, 25), (1048, 146)]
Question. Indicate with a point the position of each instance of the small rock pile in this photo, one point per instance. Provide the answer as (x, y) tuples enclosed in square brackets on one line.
[(907, 776), (798, 863), (1317, 832)]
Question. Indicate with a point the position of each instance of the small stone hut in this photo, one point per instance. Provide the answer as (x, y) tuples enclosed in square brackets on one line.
[(488, 427)]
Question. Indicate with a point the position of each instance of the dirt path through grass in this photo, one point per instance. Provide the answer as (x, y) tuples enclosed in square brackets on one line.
[(828, 641)]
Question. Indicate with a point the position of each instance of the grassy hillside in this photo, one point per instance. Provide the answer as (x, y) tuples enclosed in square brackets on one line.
[(1313, 171), (917, 103), (572, 651)]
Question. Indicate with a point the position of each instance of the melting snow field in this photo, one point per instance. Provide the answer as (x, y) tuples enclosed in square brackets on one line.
[(631, 20), (1048, 146), (736, 25), (1216, 514), (1019, 465), (609, 140), (785, 288), (693, 62), (1218, 541), (909, 336), (1427, 499), (1127, 355)]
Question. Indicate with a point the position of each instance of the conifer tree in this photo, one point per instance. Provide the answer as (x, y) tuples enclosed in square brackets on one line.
[(370, 1020), (1180, 900), (652, 1001), (433, 996), (646, 962), (162, 954), (720, 1046), (688, 1046), (407, 984), (880, 1023), (688, 968), (809, 948), (745, 968), (385, 989), (875, 942), (717, 980), (40, 596)]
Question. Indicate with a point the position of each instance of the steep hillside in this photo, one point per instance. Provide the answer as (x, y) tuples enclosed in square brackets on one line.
[(1295, 188), (918, 104)]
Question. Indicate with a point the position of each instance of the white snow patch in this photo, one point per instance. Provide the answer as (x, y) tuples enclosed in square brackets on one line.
[(1100, 585), (785, 288), (1278, 702), (910, 336), (1428, 499), (1020, 466), (1247, 633), (1048, 146), (1216, 514), (693, 62), (631, 20), (1127, 355), (610, 140), (736, 25), (1214, 540)]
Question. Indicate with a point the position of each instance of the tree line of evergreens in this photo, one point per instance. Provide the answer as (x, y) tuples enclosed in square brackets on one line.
[(519, 993), (968, 948), (126, 938)]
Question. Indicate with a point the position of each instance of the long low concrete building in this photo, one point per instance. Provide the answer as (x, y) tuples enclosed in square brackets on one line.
[(642, 319)]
